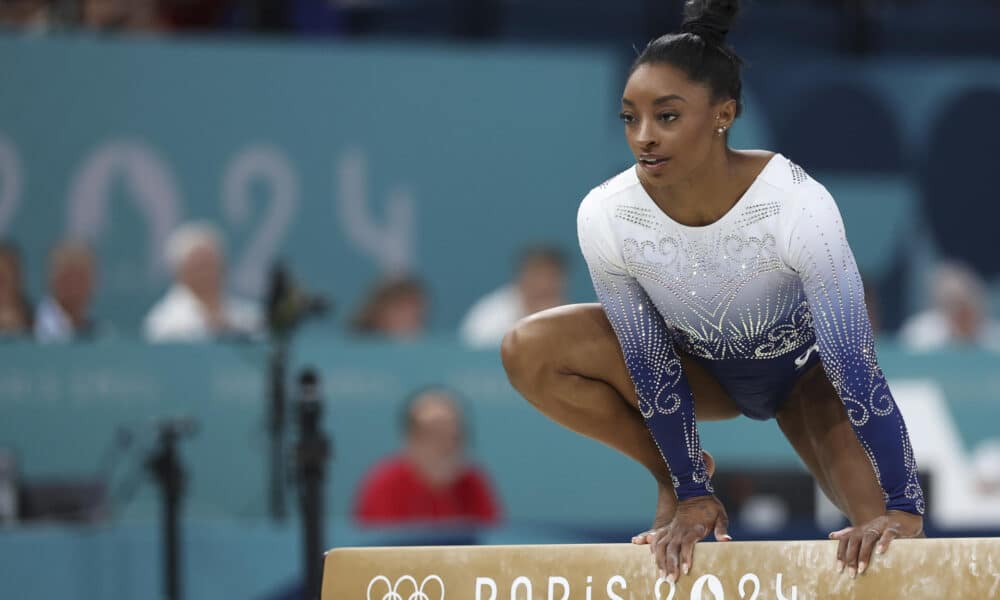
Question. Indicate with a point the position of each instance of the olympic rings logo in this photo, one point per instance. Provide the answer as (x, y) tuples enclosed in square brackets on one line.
[(394, 591)]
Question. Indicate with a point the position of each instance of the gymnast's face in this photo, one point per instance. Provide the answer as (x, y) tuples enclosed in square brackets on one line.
[(670, 122)]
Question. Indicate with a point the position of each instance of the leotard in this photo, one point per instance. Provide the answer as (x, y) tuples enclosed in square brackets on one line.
[(757, 297)]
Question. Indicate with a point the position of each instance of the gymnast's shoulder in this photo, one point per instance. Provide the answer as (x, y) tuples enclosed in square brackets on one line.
[(610, 193), (784, 180)]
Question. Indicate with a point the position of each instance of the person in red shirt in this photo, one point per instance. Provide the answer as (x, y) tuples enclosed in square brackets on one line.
[(430, 480)]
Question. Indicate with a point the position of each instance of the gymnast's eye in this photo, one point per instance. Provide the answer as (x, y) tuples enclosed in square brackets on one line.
[(627, 118), (668, 117)]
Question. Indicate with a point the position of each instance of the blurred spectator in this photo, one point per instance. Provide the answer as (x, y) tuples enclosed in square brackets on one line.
[(121, 15), (196, 308), (26, 14), (395, 308), (540, 283), (15, 310), (959, 316), (430, 480), (986, 466), (202, 14), (63, 315)]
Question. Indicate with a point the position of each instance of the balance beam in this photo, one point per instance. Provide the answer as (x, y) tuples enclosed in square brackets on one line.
[(911, 570)]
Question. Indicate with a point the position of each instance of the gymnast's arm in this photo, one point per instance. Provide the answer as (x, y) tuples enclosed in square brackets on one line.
[(665, 399), (819, 252)]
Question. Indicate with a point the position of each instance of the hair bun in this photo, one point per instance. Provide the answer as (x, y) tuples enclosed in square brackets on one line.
[(710, 32), (710, 19)]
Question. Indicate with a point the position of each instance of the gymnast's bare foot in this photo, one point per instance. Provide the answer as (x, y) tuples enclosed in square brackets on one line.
[(666, 506)]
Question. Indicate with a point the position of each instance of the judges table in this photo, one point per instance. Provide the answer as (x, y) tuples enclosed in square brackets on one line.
[(911, 569)]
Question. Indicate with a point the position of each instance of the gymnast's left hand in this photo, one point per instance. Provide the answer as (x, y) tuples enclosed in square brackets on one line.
[(695, 519), (856, 543)]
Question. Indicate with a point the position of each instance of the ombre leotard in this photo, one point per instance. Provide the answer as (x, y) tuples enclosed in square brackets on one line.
[(757, 297)]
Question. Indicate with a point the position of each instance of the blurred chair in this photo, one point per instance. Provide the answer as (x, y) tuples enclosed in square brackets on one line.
[(841, 126), (959, 179), (68, 500)]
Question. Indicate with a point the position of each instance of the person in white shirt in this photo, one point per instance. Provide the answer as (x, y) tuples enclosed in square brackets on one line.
[(63, 315), (196, 308), (540, 284), (959, 316)]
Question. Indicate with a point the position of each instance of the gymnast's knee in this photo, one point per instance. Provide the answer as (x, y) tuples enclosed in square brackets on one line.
[(523, 354)]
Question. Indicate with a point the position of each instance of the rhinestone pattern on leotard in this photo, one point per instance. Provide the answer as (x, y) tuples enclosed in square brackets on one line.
[(766, 280)]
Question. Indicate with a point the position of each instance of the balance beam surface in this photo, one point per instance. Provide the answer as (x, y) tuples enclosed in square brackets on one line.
[(946, 569)]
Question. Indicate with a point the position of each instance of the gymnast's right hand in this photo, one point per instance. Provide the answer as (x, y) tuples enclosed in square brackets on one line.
[(673, 545)]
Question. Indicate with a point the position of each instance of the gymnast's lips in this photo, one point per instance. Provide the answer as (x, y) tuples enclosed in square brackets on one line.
[(653, 162)]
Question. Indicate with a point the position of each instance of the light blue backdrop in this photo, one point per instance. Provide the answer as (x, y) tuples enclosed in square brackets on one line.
[(347, 160), (62, 406), (350, 160)]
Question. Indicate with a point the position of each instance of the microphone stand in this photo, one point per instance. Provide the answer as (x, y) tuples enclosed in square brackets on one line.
[(311, 455), (165, 465), (276, 422)]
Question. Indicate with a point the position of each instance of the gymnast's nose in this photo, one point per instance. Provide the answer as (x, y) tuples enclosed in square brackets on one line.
[(646, 137)]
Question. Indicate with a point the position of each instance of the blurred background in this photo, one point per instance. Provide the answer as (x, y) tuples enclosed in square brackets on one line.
[(256, 258)]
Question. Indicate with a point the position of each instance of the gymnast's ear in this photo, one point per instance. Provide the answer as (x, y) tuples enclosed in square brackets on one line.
[(726, 112)]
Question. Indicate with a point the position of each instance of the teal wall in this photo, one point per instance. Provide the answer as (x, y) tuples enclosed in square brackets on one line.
[(350, 160), (221, 560), (61, 407), (346, 159)]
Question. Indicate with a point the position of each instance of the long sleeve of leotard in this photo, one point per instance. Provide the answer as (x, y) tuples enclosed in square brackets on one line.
[(665, 399), (819, 252)]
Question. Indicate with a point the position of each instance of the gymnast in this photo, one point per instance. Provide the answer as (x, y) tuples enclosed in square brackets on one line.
[(726, 286)]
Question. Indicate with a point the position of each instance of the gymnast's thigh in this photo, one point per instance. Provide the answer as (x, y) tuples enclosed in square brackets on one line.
[(814, 397), (581, 341)]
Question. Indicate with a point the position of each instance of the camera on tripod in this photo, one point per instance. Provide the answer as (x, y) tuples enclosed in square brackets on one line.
[(288, 304)]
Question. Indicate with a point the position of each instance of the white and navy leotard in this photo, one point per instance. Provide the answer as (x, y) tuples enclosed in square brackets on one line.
[(757, 297)]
